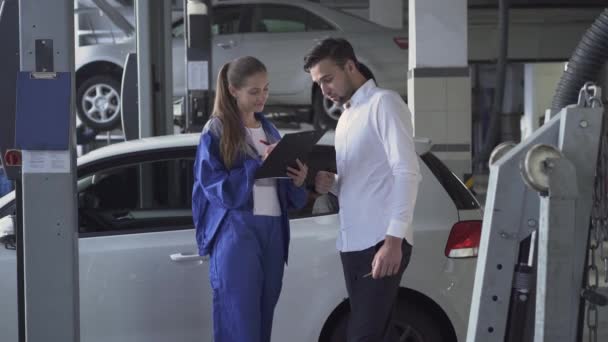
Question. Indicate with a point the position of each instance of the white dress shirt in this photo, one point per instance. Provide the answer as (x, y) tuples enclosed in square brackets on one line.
[(378, 171), (265, 196)]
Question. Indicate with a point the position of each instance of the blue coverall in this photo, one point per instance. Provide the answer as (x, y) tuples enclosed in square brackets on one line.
[(247, 252), (5, 185)]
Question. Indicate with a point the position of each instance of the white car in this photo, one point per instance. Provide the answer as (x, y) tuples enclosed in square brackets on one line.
[(279, 33), (141, 280)]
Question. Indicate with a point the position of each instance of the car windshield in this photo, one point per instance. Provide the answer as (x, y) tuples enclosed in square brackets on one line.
[(458, 192)]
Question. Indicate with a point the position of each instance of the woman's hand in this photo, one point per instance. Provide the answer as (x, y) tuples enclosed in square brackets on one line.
[(298, 175), (269, 148)]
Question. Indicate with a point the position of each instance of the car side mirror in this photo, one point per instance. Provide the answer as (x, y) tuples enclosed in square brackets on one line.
[(7, 230)]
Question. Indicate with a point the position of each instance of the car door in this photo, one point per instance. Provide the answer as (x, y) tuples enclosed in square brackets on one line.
[(313, 281), (280, 35), (140, 276), (228, 23), (225, 46)]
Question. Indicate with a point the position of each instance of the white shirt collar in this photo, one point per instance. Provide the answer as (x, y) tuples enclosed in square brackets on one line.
[(361, 93)]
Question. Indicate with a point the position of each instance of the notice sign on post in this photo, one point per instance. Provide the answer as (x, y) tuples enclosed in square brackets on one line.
[(198, 75), (46, 161)]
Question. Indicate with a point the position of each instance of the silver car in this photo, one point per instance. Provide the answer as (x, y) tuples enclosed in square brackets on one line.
[(279, 33), (142, 281)]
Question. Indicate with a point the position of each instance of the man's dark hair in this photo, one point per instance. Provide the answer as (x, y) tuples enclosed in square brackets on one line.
[(338, 50), (366, 72)]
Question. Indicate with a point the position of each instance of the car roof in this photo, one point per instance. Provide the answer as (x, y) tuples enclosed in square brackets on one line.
[(343, 20), (304, 3), (191, 140)]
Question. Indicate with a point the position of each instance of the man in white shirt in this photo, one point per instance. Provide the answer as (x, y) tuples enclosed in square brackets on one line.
[(376, 185)]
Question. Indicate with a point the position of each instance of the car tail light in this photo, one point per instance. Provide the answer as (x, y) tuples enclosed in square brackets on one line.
[(401, 42), (464, 240)]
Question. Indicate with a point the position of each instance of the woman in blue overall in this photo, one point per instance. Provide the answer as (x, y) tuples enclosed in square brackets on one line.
[(242, 223), (5, 184)]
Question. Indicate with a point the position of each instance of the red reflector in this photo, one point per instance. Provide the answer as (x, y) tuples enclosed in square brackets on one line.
[(401, 42), (464, 240), (12, 158)]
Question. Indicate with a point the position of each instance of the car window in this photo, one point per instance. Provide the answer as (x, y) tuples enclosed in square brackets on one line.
[(458, 192), (178, 29), (148, 196), (285, 19), (226, 20)]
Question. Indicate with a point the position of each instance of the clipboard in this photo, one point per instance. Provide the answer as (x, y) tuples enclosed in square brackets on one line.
[(291, 147)]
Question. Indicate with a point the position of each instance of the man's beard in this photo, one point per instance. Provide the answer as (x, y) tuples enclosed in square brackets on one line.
[(349, 90), (342, 100)]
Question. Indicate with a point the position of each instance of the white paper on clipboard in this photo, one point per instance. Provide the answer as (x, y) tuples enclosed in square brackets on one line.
[(46, 161), (198, 75)]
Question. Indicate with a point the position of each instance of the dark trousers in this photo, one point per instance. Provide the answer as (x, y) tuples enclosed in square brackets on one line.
[(371, 300)]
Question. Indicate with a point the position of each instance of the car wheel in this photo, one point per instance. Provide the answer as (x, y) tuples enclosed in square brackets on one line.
[(410, 324), (98, 102), (325, 112)]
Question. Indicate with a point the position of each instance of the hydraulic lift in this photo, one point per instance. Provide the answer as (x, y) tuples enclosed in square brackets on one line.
[(38, 137), (546, 216), (541, 187), (38, 126)]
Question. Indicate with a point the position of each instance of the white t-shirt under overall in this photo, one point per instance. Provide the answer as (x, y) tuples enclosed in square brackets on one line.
[(265, 196)]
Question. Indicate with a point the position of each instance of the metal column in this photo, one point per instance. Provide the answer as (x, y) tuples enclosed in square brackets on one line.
[(556, 293), (154, 67), (144, 68), (198, 102), (9, 55), (49, 175), (438, 79)]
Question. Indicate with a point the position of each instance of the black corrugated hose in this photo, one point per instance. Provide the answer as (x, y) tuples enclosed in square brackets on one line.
[(585, 65)]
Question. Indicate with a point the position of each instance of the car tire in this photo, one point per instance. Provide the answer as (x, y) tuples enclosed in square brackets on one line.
[(325, 113), (98, 102), (412, 324)]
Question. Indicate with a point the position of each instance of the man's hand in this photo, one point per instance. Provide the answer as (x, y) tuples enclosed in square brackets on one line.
[(324, 181), (298, 175), (387, 260)]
